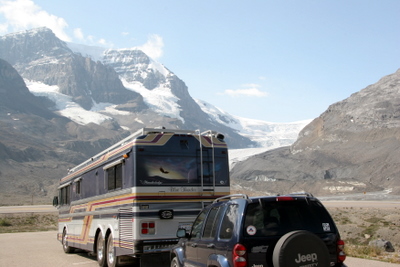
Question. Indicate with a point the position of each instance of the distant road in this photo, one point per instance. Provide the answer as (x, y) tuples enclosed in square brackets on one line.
[(361, 204), (27, 209)]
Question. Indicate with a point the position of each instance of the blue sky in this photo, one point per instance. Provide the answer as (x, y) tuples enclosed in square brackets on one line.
[(278, 61)]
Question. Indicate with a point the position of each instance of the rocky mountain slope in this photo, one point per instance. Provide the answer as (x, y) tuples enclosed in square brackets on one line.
[(36, 144), (354, 146), (59, 107), (127, 78)]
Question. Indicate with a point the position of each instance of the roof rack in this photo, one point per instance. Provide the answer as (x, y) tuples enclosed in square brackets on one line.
[(301, 194), (244, 196), (163, 130)]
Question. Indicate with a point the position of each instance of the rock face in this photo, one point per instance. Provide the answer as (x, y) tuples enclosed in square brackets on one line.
[(383, 244), (37, 146), (40, 56), (354, 146), (15, 96), (134, 66)]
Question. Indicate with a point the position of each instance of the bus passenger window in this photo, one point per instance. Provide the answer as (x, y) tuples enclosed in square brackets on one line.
[(114, 177), (78, 187), (64, 195)]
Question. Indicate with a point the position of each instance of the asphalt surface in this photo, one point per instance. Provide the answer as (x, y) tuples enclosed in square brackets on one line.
[(42, 249), (38, 249)]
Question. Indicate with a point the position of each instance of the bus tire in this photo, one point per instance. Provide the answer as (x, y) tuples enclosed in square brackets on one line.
[(67, 249), (101, 251), (112, 259)]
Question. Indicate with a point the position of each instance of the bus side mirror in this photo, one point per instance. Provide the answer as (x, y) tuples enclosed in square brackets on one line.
[(55, 201)]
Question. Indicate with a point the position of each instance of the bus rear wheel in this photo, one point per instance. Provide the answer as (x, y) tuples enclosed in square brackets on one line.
[(100, 251), (112, 259)]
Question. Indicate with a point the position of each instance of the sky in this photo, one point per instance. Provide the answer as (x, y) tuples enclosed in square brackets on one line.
[(277, 61)]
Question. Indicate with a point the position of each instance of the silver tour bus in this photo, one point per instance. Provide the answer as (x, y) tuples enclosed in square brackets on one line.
[(130, 199)]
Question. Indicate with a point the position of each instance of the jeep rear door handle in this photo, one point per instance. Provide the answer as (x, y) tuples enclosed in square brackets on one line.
[(211, 245)]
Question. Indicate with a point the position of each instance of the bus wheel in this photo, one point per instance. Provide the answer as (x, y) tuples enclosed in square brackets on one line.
[(112, 260), (100, 251), (66, 248)]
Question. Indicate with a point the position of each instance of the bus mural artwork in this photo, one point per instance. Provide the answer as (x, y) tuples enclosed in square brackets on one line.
[(129, 200)]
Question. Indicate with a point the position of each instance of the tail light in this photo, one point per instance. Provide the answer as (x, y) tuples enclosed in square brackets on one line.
[(239, 256), (341, 254), (284, 198), (148, 228)]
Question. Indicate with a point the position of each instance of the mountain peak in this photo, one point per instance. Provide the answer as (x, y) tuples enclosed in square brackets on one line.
[(39, 45), (134, 65)]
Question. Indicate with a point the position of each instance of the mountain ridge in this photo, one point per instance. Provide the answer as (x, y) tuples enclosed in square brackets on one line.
[(352, 147)]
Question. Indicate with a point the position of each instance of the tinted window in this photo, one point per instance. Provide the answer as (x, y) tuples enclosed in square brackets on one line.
[(78, 187), (228, 222), (212, 222), (221, 171), (65, 195), (114, 177), (159, 170), (118, 176), (198, 224), (277, 218), (182, 170)]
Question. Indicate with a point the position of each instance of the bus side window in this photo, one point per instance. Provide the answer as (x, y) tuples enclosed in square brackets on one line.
[(78, 187), (114, 177), (65, 195)]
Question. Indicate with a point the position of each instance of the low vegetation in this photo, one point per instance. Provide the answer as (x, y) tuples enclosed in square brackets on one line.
[(28, 222), (359, 226)]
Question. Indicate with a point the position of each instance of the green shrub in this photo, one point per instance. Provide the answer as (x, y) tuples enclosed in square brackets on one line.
[(4, 222)]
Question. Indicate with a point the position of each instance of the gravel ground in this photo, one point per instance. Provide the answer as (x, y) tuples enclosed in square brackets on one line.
[(362, 222)]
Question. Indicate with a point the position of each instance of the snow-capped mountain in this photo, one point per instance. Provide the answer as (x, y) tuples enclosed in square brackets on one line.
[(151, 79), (63, 103), (265, 134), (126, 88)]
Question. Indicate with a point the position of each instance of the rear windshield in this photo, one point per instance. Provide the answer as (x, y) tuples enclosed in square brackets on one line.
[(267, 218)]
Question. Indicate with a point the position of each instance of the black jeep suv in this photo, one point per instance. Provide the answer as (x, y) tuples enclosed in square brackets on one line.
[(279, 231)]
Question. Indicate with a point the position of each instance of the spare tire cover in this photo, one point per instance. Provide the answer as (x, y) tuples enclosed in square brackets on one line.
[(300, 248)]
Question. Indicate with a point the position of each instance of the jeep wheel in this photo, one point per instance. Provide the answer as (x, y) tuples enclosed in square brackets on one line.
[(300, 248)]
